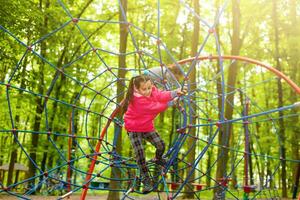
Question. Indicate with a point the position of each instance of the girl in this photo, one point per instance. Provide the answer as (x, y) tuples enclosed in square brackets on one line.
[(142, 103)]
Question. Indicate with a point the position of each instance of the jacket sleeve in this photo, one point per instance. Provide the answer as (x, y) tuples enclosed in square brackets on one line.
[(162, 96)]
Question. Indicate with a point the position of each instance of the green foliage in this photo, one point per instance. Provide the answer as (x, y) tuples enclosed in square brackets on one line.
[(85, 93)]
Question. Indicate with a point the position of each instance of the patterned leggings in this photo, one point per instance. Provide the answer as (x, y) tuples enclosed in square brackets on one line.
[(136, 142)]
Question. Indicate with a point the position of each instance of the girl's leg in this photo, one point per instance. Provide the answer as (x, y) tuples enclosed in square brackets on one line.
[(156, 141), (136, 142)]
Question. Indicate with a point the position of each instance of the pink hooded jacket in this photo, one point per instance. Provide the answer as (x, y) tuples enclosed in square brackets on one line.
[(142, 110)]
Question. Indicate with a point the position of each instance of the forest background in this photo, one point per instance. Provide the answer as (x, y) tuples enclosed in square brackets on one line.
[(265, 30)]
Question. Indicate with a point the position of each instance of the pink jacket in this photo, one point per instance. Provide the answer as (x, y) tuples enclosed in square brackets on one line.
[(142, 110)]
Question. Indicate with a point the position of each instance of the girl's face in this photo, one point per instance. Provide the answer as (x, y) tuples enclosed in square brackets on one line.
[(145, 88)]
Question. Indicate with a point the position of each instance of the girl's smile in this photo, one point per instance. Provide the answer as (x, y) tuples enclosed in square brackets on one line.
[(145, 88)]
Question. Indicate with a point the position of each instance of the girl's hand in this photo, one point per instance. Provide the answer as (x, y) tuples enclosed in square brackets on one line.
[(181, 92)]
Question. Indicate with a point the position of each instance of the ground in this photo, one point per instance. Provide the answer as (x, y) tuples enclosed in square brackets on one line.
[(77, 197), (90, 197)]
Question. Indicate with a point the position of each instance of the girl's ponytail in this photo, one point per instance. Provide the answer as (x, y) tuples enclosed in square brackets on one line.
[(134, 82), (128, 96)]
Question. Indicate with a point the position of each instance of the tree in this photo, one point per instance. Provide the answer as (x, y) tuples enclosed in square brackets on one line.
[(192, 80), (39, 104), (115, 172), (226, 131), (280, 99), (293, 46)]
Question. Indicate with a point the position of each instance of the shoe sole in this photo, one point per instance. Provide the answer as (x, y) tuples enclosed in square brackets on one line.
[(146, 192)]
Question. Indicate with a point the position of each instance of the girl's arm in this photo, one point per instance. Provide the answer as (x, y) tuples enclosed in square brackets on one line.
[(163, 96)]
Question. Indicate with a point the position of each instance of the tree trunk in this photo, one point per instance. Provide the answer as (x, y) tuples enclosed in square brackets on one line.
[(14, 153), (251, 164), (219, 87), (192, 80), (36, 126), (294, 67), (115, 172), (21, 153), (280, 101), (226, 133), (296, 182), (182, 53), (57, 92), (208, 167), (58, 87), (269, 180), (39, 105)]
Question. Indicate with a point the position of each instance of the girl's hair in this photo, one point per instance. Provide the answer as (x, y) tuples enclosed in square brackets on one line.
[(135, 82), (176, 71)]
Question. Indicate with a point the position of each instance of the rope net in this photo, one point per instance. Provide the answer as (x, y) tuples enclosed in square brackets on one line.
[(79, 132)]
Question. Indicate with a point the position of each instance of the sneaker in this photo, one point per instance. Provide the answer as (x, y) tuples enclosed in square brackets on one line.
[(160, 161), (148, 187)]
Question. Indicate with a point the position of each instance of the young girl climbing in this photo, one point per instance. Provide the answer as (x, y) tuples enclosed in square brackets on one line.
[(142, 103)]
